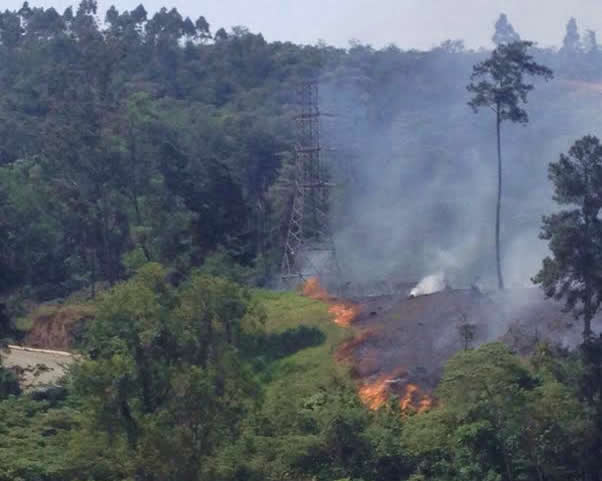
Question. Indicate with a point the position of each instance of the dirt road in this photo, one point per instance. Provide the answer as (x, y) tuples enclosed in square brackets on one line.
[(36, 367)]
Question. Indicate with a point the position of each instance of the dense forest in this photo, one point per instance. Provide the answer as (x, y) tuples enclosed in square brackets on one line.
[(146, 180)]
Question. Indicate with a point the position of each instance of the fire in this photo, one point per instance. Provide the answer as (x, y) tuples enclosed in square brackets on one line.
[(343, 312), (415, 399), (425, 404), (375, 394), (345, 350), (406, 401), (313, 289)]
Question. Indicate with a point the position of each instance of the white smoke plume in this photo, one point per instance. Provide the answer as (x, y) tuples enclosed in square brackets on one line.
[(429, 285), (416, 174)]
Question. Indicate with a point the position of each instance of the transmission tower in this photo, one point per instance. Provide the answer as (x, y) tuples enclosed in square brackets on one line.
[(309, 250)]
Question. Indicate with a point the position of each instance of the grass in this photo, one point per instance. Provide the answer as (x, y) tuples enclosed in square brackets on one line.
[(34, 436), (301, 373), (305, 372)]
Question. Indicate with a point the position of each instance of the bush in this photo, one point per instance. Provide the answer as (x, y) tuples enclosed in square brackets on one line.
[(9, 385)]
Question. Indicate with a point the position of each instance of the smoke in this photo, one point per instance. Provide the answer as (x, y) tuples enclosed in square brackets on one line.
[(429, 285), (416, 168)]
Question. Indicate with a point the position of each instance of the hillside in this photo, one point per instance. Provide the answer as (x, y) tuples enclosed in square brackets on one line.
[(162, 179)]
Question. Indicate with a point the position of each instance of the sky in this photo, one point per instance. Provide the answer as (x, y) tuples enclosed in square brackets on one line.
[(419, 24)]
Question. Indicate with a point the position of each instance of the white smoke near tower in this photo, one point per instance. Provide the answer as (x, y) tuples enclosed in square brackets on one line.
[(429, 285)]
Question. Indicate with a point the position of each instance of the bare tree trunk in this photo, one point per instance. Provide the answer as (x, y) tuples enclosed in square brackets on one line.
[(500, 280)]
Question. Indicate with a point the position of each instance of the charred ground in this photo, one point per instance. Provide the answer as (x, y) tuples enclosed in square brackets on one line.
[(402, 341)]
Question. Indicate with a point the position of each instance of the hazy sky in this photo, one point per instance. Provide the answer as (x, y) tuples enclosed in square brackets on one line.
[(407, 23)]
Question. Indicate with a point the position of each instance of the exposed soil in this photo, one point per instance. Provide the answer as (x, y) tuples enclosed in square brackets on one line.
[(34, 367), (55, 326)]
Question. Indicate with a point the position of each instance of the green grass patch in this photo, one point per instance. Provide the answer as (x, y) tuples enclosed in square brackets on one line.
[(305, 372)]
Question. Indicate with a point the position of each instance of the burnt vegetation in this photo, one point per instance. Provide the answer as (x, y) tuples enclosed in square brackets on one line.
[(146, 179)]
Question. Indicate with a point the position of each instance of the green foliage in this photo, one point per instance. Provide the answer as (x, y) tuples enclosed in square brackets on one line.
[(223, 264), (138, 143), (159, 146), (498, 82), (9, 385), (33, 437), (499, 419), (186, 383), (165, 378), (575, 236)]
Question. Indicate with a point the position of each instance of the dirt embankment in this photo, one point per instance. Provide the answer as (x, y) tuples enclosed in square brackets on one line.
[(54, 326), (50, 330)]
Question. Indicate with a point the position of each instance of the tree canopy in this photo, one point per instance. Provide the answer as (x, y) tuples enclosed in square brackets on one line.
[(575, 235)]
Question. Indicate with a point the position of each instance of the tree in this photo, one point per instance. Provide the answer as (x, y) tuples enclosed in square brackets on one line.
[(166, 379), (591, 42), (498, 83), (504, 32), (572, 41), (498, 419), (575, 236)]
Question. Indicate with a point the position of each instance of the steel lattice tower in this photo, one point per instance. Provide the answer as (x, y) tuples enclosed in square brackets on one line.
[(309, 250)]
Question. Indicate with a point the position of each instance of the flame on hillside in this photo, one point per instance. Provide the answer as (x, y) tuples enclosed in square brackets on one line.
[(415, 399), (345, 350), (313, 289), (376, 394), (343, 312)]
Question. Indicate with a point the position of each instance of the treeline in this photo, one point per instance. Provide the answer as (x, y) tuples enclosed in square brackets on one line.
[(137, 140), (151, 138)]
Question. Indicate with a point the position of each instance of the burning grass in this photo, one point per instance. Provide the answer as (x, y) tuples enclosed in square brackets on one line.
[(415, 399), (412, 398), (345, 351), (313, 289), (376, 393), (343, 313)]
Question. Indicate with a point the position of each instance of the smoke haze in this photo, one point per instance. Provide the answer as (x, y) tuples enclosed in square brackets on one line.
[(416, 167)]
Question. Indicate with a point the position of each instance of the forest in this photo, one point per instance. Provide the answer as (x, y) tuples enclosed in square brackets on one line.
[(146, 182)]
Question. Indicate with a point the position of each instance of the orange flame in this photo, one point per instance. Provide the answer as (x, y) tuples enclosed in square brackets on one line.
[(375, 394), (415, 399), (406, 401), (343, 313), (313, 289), (425, 404)]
